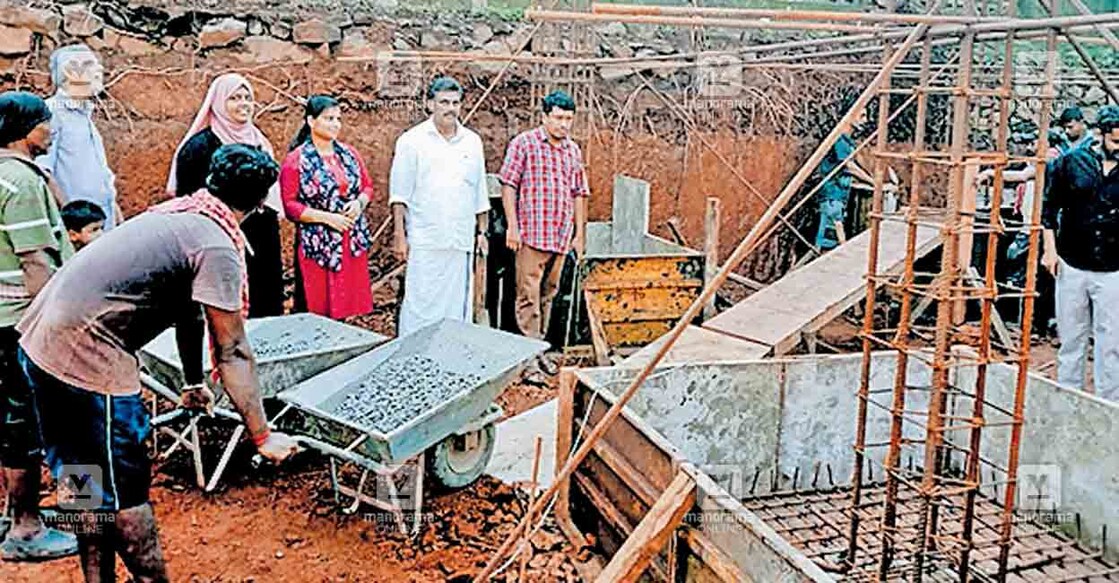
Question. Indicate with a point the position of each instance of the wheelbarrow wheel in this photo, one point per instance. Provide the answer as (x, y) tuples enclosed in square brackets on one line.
[(459, 460)]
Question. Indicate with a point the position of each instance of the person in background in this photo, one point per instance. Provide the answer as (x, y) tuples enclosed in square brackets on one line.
[(226, 117), (325, 188), (1076, 129), (544, 192), (439, 200), (84, 220), (76, 158), (32, 247), (80, 337), (1081, 220)]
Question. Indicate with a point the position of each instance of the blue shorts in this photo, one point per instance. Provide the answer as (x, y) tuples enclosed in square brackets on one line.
[(20, 445), (100, 436)]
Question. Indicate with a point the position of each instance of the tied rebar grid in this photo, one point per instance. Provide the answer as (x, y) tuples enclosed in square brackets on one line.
[(907, 545)]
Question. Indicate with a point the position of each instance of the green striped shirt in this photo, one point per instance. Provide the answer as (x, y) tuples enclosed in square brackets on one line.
[(29, 221)]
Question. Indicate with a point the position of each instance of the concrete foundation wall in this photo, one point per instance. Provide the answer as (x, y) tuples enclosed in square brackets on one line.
[(1069, 454), (735, 419)]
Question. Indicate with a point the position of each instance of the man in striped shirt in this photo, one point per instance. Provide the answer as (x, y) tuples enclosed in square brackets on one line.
[(33, 245), (544, 192)]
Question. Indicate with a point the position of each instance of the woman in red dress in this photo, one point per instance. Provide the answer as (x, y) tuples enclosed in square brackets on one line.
[(325, 189)]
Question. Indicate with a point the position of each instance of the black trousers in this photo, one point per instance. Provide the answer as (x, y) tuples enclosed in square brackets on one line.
[(266, 277)]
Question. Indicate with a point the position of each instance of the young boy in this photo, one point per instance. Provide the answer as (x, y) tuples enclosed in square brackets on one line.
[(84, 222)]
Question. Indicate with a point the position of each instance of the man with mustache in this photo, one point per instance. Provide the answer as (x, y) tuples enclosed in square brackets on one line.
[(437, 190)]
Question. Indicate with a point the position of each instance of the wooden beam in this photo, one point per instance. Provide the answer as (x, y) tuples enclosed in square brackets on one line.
[(598, 333), (652, 532), (565, 427), (711, 250), (481, 317)]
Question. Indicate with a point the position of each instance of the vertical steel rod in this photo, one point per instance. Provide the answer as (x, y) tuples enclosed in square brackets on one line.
[(949, 278), (901, 338), (1047, 95)]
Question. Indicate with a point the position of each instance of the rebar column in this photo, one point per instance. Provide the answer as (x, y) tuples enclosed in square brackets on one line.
[(901, 339), (1007, 528), (947, 281)]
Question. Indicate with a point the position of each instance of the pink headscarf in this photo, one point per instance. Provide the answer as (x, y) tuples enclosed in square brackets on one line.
[(213, 115)]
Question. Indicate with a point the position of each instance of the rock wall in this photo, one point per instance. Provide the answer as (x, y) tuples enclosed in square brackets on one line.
[(160, 56)]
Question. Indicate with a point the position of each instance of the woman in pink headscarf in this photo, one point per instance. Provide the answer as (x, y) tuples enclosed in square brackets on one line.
[(226, 117)]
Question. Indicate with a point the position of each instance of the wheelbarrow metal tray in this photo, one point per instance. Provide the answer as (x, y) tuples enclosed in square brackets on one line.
[(410, 393), (288, 350)]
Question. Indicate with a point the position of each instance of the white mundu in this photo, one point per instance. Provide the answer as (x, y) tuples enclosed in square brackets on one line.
[(442, 184)]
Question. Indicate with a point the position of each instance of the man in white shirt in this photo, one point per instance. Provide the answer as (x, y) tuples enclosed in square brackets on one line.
[(439, 201)]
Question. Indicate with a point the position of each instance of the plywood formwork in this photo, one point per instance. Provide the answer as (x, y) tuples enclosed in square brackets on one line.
[(767, 442)]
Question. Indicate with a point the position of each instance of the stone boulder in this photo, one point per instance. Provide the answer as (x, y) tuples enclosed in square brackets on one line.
[(33, 19), (222, 33), (78, 21), (265, 49), (315, 32), (14, 42)]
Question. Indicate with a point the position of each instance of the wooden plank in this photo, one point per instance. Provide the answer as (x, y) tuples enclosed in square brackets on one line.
[(565, 426), (652, 532), (698, 344), (481, 317), (818, 292), (598, 335), (711, 251), (612, 518), (632, 478), (713, 557)]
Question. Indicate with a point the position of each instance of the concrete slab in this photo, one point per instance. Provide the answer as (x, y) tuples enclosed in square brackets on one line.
[(513, 451)]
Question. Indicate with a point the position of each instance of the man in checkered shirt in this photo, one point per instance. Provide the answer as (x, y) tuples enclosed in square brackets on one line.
[(544, 192)]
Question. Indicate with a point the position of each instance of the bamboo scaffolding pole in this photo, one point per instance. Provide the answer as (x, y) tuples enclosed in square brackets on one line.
[(777, 14), (761, 24), (1107, 35), (1000, 26), (1085, 57), (745, 247)]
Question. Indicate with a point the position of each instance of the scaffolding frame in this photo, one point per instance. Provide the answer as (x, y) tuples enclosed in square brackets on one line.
[(917, 539)]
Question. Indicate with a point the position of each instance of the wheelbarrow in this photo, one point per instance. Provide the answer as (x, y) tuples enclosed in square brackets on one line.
[(423, 403), (288, 349)]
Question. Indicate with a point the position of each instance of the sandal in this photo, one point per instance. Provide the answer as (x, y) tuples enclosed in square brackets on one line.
[(50, 543)]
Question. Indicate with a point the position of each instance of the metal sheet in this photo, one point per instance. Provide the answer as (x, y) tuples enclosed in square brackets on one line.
[(288, 349), (490, 358)]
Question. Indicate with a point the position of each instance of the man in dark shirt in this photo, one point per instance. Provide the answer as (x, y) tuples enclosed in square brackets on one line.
[(1081, 220)]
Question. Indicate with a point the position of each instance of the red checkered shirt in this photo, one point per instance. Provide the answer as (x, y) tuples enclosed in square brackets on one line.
[(548, 179)]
